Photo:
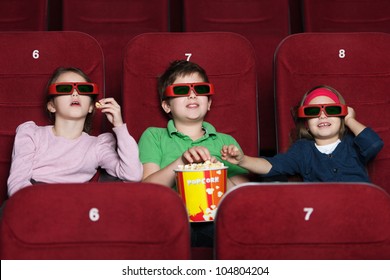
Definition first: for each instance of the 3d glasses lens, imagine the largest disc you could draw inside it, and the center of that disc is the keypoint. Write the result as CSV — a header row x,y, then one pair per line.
x,y
312,111
181,90
202,89
64,88
333,110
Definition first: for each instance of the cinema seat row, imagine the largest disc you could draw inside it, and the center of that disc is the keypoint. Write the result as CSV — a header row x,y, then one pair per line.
x,y
353,62
282,221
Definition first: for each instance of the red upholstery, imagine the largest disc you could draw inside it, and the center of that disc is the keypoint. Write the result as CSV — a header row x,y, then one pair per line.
x,y
23,15
346,15
95,221
113,24
228,59
356,64
304,221
265,23
28,59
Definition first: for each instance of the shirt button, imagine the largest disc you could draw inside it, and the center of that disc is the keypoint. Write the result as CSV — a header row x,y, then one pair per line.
x,y
335,170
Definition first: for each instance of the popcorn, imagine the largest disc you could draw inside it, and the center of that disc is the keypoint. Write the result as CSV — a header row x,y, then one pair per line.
x,y
98,105
201,166
209,214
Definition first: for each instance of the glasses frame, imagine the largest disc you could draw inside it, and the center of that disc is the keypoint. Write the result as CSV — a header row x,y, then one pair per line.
x,y
169,91
322,107
53,88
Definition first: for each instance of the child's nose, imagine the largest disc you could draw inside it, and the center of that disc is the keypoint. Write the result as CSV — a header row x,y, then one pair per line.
x,y
75,92
192,93
323,115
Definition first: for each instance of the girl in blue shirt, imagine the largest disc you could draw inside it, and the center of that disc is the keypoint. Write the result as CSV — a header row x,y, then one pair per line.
x,y
324,151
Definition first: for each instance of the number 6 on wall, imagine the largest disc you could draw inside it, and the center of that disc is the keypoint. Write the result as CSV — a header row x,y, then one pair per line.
x,y
308,211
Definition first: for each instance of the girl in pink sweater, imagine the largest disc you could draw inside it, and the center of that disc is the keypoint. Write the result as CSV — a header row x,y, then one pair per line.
x,y
64,152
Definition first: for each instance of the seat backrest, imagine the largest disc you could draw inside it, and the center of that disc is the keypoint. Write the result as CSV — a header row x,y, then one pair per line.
x,y
28,59
95,221
240,16
346,15
356,64
264,23
228,59
23,15
304,221
135,16
114,24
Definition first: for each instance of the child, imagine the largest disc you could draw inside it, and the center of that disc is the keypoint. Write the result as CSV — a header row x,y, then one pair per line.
x,y
64,152
324,150
185,94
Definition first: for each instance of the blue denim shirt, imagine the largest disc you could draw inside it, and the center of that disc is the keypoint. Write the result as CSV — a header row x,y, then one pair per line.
x,y
347,163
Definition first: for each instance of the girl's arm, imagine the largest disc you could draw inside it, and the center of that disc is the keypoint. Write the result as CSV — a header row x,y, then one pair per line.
x,y
22,158
255,165
123,163
120,158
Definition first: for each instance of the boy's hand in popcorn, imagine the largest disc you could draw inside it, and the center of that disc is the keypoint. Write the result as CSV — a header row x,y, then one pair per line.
x,y
232,154
197,154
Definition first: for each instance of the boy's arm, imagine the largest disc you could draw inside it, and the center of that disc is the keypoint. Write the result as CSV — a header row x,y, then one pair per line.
x,y
154,174
166,176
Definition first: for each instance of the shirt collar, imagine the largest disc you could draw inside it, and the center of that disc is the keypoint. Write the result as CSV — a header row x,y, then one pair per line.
x,y
208,128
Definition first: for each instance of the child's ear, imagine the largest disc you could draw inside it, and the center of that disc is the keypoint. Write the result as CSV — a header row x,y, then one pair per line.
x,y
91,107
166,107
209,104
50,107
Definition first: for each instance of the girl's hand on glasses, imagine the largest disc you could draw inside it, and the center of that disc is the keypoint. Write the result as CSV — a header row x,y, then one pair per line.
x,y
112,110
351,115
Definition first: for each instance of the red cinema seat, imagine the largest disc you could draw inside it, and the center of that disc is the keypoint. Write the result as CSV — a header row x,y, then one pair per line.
x,y
108,221
264,23
23,15
113,24
356,64
346,15
229,61
299,221
28,59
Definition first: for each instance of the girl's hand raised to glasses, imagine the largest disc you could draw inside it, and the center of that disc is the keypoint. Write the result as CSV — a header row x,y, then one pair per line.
x,y
351,115
112,110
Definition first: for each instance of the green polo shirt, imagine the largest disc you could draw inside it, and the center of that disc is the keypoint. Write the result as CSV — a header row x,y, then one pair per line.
x,y
162,146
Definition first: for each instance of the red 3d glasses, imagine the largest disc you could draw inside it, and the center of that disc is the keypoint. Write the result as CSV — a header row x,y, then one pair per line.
x,y
178,90
68,88
330,110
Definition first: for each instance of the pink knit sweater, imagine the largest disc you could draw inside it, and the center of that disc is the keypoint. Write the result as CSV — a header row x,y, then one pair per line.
x,y
40,155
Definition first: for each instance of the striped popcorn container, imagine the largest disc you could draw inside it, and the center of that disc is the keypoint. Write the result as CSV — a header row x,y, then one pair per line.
x,y
201,191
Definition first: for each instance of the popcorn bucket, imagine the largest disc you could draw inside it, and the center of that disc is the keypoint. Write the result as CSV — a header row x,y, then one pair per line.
x,y
201,191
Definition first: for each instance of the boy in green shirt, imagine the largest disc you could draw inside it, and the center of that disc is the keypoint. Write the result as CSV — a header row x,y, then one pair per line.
x,y
185,94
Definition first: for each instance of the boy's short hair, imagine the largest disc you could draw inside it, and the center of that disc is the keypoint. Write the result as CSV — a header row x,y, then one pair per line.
x,y
178,68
